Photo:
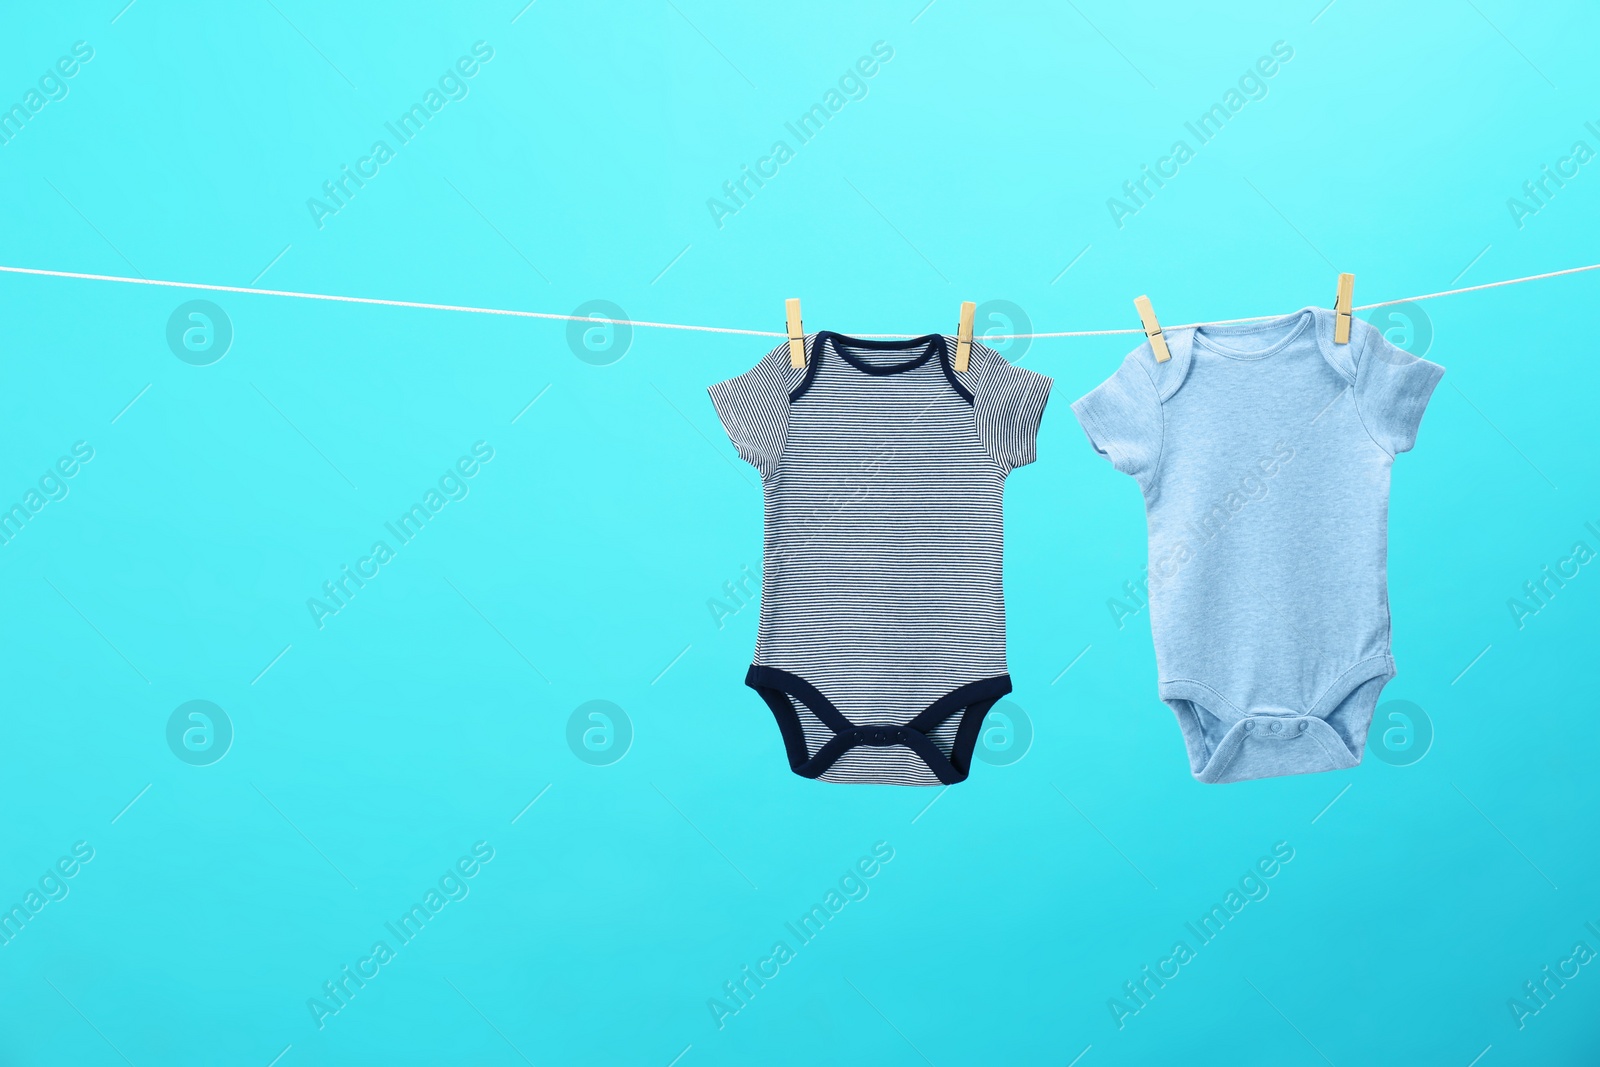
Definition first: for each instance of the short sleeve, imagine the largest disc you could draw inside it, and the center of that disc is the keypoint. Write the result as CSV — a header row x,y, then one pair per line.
x,y
1008,403
1392,389
754,409
1122,416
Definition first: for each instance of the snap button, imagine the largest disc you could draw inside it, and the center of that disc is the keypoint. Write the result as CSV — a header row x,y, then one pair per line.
x,y
1277,727
1249,724
1303,725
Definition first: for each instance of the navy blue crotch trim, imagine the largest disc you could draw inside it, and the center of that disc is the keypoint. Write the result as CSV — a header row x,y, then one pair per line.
x,y
976,698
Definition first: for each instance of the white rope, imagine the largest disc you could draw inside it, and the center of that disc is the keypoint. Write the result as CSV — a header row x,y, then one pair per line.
x,y
374,300
514,313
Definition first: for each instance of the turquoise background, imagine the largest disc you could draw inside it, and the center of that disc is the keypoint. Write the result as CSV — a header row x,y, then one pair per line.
x,y
432,711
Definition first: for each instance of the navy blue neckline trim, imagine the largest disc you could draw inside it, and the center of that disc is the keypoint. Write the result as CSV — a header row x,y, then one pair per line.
x,y
932,343
936,347
974,701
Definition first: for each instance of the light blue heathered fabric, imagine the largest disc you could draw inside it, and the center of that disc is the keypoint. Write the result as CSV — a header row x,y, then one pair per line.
x,y
1264,453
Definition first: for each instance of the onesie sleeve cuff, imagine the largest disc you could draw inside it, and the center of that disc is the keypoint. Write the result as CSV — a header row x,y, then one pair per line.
x,y
1030,412
1122,418
752,410
722,398
1087,409
1413,393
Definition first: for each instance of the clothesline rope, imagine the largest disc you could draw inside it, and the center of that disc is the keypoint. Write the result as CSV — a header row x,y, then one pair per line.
x,y
515,313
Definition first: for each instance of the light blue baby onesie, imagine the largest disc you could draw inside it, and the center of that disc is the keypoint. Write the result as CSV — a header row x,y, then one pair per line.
x,y
1264,452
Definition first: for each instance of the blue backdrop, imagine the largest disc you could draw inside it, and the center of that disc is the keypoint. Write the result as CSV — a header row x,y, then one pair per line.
x,y
495,794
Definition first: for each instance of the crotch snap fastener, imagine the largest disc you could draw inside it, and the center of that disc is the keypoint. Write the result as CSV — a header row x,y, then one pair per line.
x,y
1303,725
1249,724
1277,727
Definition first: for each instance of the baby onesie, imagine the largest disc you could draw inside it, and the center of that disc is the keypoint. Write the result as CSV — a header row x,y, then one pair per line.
x,y
1264,453
882,644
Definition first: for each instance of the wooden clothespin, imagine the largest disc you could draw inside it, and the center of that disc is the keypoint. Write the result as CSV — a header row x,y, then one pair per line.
x,y
964,336
1152,329
1341,309
797,333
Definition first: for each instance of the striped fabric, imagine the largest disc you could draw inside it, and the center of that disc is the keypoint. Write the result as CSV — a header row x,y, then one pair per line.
x,y
882,635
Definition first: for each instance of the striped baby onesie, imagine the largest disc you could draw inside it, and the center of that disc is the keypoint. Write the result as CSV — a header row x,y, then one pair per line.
x,y
882,640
